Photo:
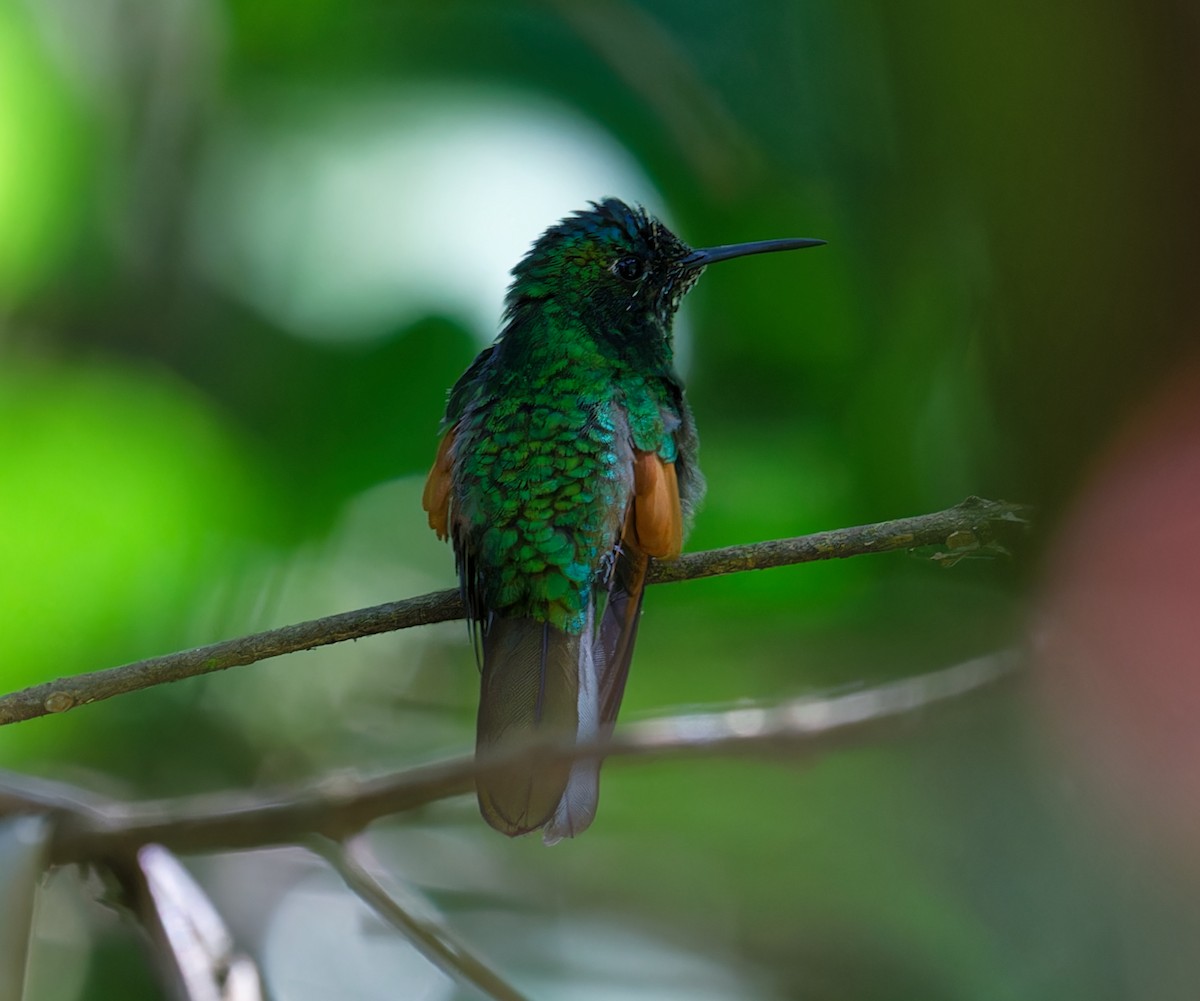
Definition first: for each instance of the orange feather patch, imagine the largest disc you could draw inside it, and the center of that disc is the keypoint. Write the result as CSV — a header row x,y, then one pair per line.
x,y
436,498
655,521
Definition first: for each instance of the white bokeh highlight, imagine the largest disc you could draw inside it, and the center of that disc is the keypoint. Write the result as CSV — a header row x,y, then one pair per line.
x,y
348,218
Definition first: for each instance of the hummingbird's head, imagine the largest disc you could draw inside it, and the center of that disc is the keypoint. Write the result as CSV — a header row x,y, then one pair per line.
x,y
612,265
619,272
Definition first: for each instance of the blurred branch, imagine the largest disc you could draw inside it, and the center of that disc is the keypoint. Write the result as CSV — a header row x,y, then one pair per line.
x,y
190,943
650,61
353,861
973,525
86,827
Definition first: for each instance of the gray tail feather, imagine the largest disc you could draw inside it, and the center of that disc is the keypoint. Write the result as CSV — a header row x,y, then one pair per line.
x,y
577,807
605,655
531,692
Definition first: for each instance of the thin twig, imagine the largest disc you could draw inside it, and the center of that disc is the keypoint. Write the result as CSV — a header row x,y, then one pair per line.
x,y
353,862
971,524
80,689
342,806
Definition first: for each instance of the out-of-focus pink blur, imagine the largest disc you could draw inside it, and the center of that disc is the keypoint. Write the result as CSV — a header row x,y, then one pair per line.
x,y
1117,632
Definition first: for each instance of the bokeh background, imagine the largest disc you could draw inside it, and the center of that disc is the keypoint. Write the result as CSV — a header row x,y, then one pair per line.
x,y
245,248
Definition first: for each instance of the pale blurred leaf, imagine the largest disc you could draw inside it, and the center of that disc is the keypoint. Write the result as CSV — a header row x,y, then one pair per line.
x,y
23,843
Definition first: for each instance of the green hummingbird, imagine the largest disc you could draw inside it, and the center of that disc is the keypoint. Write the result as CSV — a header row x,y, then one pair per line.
x,y
567,462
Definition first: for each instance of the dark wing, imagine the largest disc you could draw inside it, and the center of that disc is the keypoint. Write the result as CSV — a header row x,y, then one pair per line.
x,y
653,528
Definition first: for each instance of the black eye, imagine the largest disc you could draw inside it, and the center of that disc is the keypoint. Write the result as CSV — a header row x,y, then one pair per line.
x,y
629,269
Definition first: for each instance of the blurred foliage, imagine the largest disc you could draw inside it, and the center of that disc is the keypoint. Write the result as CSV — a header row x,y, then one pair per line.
x,y
1008,192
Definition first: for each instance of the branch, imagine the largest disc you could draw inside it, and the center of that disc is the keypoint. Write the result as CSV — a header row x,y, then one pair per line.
x,y
86,827
187,938
80,689
973,525
412,916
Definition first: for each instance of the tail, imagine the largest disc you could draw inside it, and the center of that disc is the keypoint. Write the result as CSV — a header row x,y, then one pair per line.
x,y
539,684
542,683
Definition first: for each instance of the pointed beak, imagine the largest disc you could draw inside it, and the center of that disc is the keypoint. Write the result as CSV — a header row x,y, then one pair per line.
x,y
710,255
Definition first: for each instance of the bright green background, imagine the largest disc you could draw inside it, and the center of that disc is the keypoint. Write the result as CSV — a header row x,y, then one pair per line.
x,y
1008,192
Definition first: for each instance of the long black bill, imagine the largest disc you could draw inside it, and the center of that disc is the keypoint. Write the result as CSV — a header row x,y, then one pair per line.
x,y
710,255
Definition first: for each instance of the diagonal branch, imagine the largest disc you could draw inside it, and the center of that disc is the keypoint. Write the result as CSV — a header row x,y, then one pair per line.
x,y
341,806
188,940
412,916
972,525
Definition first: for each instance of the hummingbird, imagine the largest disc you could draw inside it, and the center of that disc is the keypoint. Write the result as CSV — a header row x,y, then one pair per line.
x,y
567,463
